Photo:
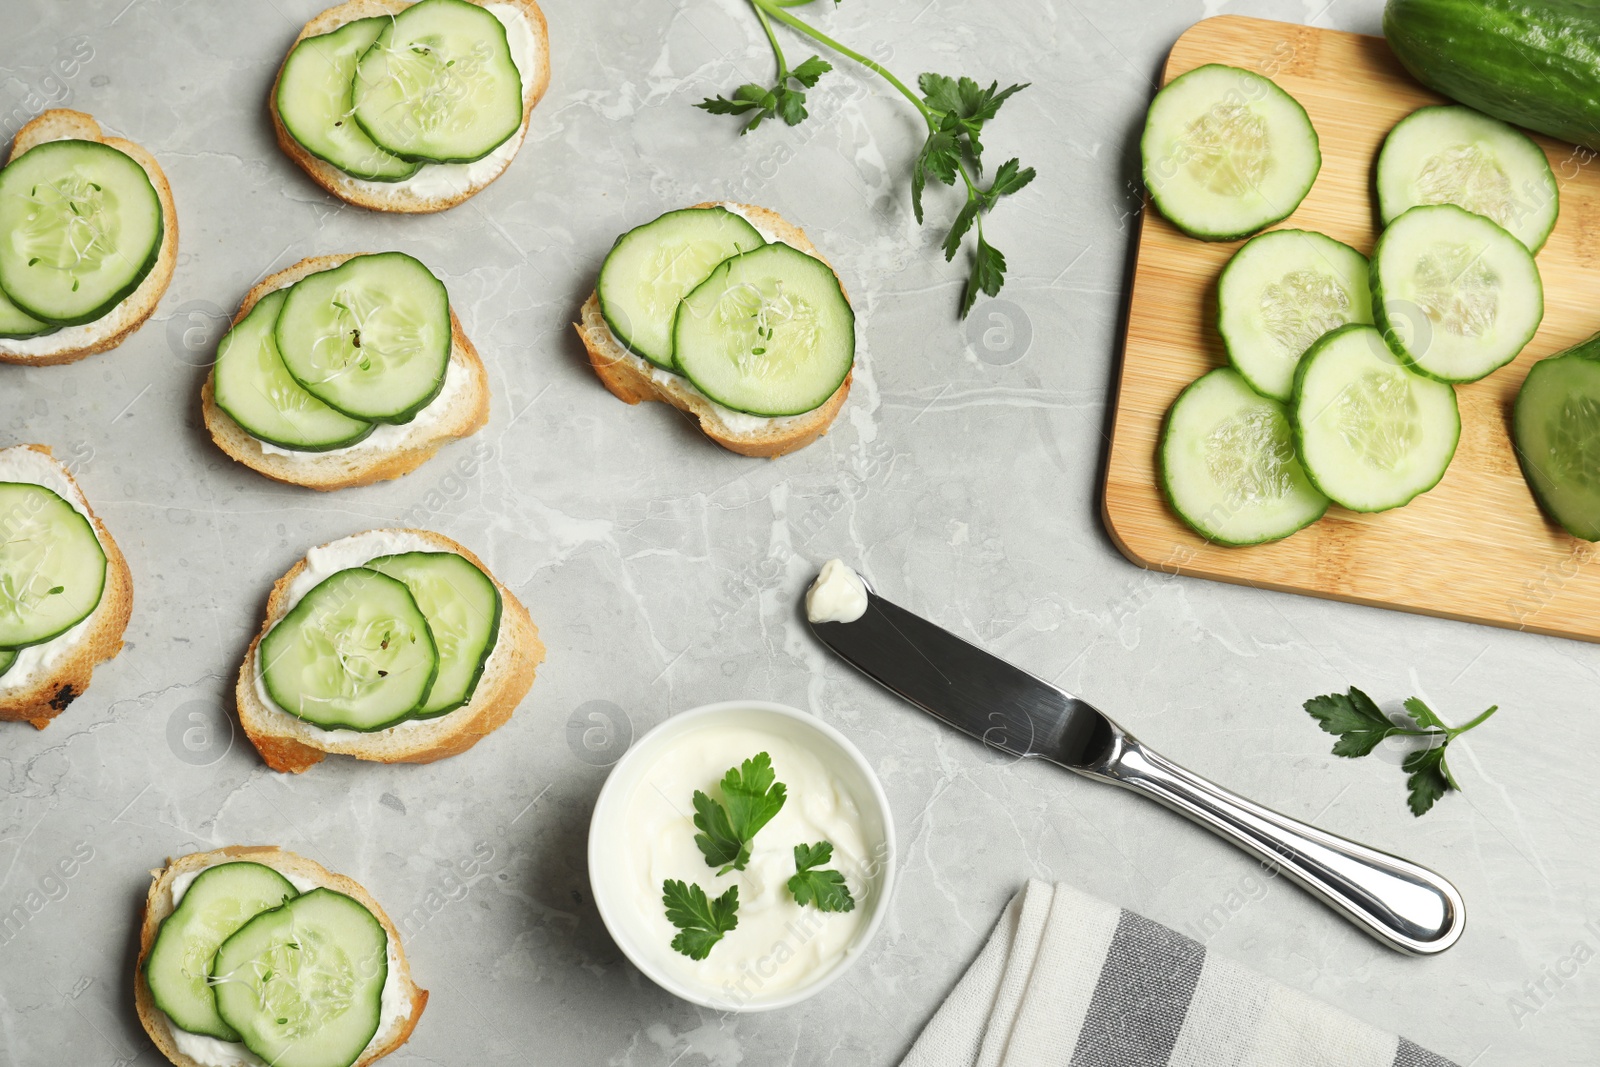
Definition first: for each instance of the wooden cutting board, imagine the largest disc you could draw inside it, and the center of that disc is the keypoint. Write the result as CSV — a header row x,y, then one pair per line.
x,y
1476,547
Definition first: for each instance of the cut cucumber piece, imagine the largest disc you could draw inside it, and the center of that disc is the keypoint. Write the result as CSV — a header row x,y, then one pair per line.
x,y
769,332
52,568
314,103
1228,465
1226,152
250,383
462,606
439,84
16,323
1455,155
1371,434
8,656
303,983
1456,296
83,227
1278,294
1556,426
654,266
219,901
369,338
355,654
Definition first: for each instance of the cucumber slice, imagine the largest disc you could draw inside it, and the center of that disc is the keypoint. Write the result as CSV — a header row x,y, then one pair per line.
x,y
8,656
1278,294
1455,155
1228,465
83,226
769,332
303,983
1371,434
1456,296
369,338
250,383
462,606
219,901
16,323
1556,426
52,568
439,84
652,267
355,654
1226,152
314,102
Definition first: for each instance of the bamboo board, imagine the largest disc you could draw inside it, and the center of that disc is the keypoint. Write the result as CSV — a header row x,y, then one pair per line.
x,y
1476,547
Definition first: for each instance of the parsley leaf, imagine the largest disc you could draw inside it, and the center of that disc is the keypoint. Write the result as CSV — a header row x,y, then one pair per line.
x,y
701,922
751,796
782,101
826,889
1359,723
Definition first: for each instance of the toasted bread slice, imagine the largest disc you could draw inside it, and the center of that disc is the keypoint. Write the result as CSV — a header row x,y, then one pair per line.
x,y
399,196
41,696
72,343
633,378
290,744
158,905
367,461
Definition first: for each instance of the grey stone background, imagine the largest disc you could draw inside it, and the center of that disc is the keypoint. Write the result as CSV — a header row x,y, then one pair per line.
x,y
962,478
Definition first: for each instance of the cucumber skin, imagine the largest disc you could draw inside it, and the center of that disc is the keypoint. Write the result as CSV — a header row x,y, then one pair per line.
x,y
1589,350
1535,64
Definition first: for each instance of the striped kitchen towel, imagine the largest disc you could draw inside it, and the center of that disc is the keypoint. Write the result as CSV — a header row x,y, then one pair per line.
x,y
1067,980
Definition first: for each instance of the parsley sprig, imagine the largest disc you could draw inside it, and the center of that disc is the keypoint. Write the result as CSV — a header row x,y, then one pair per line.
x,y
824,888
701,922
750,798
1361,726
954,111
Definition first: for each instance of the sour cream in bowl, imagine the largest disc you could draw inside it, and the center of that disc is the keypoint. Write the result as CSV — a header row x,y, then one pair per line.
x,y
643,833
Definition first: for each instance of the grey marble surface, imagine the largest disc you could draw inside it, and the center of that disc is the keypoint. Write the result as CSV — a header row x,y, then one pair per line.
x,y
664,572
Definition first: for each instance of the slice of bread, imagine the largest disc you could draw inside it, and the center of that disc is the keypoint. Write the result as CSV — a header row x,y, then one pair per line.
x,y
290,744
72,343
158,905
365,462
396,196
633,378
48,694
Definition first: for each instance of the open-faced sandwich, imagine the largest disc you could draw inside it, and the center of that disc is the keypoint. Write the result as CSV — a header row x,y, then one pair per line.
x,y
344,370
392,645
411,107
65,590
88,240
252,955
728,313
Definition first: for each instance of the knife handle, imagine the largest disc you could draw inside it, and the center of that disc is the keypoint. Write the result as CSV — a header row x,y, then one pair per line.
x,y
1407,907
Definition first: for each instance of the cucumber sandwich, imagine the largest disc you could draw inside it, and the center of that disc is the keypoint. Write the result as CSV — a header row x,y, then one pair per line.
x,y
408,107
257,955
344,370
728,313
65,589
392,645
88,239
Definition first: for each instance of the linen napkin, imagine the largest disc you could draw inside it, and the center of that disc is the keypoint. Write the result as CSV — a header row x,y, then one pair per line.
x,y
1067,980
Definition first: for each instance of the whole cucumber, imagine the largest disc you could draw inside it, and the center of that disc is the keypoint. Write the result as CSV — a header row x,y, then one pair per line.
x,y
1535,63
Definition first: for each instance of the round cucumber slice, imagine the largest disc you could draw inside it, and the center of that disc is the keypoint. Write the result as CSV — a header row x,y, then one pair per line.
x,y
52,568
16,323
462,606
1456,296
1455,155
1280,292
1228,465
355,654
1556,426
303,983
219,901
439,84
314,102
83,227
1371,434
250,383
8,656
1226,152
370,338
654,266
769,332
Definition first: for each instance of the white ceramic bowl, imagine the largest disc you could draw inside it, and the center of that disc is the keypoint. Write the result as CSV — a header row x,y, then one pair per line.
x,y
612,884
